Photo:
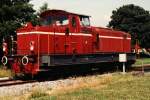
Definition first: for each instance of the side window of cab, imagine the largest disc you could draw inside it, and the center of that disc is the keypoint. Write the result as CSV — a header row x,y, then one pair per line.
x,y
74,23
84,21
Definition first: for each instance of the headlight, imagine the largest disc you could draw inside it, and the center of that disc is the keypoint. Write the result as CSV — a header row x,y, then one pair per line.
x,y
4,47
32,46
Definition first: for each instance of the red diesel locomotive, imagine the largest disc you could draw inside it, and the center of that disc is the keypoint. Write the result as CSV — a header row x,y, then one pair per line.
x,y
65,38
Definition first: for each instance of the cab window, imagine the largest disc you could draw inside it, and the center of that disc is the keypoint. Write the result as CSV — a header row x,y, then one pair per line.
x,y
61,20
54,20
73,22
84,21
46,21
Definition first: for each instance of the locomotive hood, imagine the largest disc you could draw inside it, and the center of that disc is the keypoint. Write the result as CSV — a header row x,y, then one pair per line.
x,y
110,32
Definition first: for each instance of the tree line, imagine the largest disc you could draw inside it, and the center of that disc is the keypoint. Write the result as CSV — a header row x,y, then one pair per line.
x,y
134,20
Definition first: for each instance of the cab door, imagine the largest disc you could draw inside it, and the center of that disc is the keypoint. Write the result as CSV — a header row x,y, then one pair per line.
x,y
71,35
60,35
96,42
67,41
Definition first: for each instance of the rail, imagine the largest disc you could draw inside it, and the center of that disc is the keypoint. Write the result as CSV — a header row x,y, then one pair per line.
x,y
10,82
145,67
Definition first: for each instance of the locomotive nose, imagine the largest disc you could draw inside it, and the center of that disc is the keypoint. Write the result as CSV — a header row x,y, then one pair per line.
x,y
4,60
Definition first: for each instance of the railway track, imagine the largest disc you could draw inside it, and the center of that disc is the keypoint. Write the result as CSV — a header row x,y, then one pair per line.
x,y
10,82
145,68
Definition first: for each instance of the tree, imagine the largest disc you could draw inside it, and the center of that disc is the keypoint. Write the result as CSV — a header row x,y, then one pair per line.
x,y
43,8
134,20
14,14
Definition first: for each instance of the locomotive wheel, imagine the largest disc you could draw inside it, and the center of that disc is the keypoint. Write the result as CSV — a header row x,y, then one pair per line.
x,y
4,60
24,60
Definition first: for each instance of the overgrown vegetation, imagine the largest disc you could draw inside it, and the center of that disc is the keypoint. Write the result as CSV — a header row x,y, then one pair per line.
x,y
101,87
38,94
5,72
142,61
118,87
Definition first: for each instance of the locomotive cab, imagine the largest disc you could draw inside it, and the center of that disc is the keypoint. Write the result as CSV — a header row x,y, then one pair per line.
x,y
75,23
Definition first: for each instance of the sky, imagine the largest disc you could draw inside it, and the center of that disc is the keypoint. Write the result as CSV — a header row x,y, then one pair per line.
x,y
99,10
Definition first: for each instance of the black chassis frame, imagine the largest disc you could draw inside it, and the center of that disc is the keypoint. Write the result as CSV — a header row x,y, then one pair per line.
x,y
60,60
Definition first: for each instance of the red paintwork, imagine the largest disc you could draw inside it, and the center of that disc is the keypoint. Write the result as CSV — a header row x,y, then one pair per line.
x,y
58,42
15,66
82,39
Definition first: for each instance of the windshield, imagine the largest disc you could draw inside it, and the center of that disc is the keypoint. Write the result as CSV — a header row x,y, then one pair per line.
x,y
54,20
84,21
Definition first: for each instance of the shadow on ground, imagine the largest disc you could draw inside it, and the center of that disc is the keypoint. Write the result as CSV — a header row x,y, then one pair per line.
x,y
63,72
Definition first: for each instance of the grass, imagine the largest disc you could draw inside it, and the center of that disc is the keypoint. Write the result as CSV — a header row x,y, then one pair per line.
x,y
5,72
101,87
111,87
142,60
38,94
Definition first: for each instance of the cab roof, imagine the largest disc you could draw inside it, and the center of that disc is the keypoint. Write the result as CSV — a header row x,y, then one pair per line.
x,y
59,12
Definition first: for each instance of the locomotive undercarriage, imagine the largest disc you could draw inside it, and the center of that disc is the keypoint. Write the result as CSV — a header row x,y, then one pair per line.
x,y
29,64
52,61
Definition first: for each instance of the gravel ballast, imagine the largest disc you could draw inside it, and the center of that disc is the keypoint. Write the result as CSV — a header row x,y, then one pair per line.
x,y
17,90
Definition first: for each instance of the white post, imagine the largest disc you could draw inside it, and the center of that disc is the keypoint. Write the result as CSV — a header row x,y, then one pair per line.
x,y
123,60
124,68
